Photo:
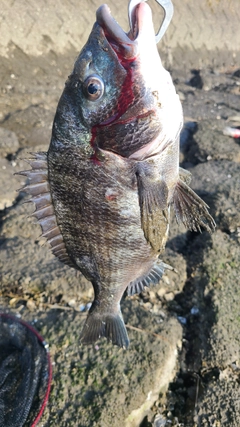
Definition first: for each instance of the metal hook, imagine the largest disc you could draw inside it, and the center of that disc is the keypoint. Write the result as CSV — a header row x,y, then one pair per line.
x,y
168,14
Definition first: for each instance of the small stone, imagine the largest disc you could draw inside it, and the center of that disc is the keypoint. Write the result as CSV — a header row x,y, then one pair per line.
x,y
13,301
194,311
27,280
148,306
160,421
31,305
8,142
181,96
166,280
8,184
182,320
156,309
152,295
161,292
169,296
72,303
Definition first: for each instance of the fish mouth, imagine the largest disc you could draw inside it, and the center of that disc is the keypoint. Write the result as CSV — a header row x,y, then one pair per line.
x,y
127,45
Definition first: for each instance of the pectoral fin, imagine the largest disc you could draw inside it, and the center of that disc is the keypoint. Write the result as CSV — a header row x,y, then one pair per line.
x,y
190,209
153,197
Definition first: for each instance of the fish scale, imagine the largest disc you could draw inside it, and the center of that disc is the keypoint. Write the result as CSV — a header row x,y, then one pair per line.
x,y
106,232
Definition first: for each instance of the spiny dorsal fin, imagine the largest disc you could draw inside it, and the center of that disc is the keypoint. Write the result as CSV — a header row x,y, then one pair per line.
x,y
191,209
39,190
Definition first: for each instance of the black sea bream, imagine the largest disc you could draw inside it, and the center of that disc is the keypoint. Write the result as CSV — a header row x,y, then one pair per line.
x,y
103,190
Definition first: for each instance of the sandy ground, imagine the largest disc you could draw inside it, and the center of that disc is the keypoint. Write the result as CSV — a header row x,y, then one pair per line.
x,y
182,368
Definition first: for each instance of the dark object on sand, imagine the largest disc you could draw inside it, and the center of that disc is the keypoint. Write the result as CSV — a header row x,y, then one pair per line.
x,y
196,80
25,373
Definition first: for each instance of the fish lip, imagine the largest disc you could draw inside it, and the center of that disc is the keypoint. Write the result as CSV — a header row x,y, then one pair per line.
x,y
126,45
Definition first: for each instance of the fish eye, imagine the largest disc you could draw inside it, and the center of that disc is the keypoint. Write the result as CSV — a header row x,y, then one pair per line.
x,y
93,88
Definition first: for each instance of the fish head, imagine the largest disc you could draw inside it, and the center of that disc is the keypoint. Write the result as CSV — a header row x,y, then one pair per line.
x,y
119,97
91,92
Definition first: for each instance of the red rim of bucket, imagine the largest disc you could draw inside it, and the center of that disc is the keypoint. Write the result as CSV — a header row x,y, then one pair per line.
x,y
46,347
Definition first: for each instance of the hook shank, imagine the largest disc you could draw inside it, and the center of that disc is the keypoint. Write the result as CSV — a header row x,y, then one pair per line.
x,y
167,7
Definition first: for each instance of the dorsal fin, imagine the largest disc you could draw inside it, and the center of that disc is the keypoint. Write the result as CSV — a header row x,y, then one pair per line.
x,y
39,189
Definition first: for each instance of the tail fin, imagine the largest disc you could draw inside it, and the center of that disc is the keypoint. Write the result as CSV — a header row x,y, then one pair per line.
x,y
100,325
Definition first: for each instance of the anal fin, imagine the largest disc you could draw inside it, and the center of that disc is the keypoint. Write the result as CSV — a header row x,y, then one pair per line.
x,y
190,209
108,325
153,276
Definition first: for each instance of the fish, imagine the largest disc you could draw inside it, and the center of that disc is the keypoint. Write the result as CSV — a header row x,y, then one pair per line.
x,y
104,189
